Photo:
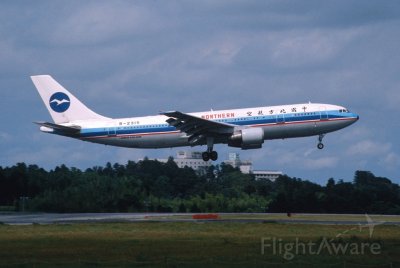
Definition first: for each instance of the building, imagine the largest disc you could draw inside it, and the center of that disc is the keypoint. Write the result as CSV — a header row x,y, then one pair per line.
x,y
266,174
234,160
194,160
246,167
191,159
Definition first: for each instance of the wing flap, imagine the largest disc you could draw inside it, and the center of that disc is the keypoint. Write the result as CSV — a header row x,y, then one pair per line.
x,y
187,117
197,128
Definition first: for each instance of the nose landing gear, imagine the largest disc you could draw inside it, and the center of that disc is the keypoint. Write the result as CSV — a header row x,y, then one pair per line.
x,y
320,145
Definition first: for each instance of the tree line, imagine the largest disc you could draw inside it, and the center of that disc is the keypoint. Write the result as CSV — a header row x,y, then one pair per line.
x,y
152,186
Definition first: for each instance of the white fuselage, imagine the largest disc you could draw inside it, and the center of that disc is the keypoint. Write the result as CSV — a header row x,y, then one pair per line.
x,y
277,122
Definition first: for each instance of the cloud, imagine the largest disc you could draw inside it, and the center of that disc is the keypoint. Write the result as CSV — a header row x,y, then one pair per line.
x,y
357,132
369,148
391,161
5,137
321,163
294,155
367,152
136,58
304,48
99,22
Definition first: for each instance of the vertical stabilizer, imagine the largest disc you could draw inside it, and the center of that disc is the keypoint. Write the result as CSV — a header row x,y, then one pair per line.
x,y
61,104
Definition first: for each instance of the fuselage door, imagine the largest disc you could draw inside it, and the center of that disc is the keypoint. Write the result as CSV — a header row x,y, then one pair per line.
x,y
323,112
112,131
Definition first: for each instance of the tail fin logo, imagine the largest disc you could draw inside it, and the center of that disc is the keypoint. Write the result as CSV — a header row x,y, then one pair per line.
x,y
59,102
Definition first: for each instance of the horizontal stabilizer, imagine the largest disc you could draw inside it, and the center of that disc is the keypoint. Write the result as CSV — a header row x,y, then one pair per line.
x,y
61,128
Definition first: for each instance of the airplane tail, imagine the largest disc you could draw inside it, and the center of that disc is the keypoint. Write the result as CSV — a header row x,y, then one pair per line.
x,y
61,104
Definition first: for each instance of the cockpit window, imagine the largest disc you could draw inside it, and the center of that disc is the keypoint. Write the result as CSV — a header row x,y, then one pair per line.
x,y
343,111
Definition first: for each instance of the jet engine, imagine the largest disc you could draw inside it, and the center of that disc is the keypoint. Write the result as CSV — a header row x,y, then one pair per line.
x,y
248,138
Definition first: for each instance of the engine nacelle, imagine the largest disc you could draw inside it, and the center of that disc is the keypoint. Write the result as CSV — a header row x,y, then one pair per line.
x,y
248,138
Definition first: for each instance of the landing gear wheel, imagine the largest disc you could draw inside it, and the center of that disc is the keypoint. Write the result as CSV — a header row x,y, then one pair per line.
x,y
205,156
320,144
210,154
213,155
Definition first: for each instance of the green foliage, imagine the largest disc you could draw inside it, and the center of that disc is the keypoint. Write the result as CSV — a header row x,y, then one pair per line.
x,y
163,187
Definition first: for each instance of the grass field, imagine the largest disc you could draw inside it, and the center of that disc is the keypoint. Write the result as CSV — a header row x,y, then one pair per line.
x,y
191,244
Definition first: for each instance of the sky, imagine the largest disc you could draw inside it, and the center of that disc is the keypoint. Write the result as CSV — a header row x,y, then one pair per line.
x,y
135,58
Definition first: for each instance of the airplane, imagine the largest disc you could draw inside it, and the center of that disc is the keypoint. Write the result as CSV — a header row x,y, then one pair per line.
x,y
242,128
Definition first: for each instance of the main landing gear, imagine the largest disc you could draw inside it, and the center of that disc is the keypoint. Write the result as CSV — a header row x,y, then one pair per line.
x,y
320,144
213,155
210,154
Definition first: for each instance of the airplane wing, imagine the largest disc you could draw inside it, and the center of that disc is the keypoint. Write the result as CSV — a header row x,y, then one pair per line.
x,y
198,128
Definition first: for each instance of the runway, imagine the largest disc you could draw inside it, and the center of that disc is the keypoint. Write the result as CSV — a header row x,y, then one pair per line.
x,y
50,218
71,218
